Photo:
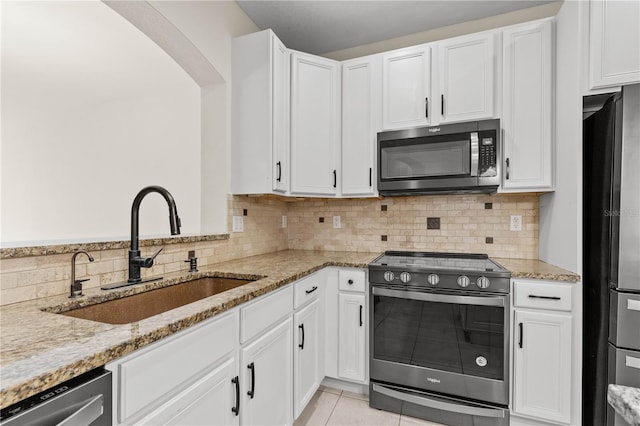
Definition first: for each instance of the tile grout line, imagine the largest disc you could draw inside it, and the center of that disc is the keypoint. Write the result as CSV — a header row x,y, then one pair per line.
x,y
333,409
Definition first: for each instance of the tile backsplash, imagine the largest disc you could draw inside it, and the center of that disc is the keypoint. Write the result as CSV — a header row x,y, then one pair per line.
x,y
447,223
462,223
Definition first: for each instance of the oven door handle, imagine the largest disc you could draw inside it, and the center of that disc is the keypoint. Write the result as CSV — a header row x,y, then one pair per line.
x,y
440,405
443,298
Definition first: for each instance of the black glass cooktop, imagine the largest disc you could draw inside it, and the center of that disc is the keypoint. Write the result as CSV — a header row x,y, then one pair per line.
x,y
437,261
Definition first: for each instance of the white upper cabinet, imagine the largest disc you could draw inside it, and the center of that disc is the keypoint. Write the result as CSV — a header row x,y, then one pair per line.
x,y
315,125
406,87
465,78
527,108
259,114
361,91
614,43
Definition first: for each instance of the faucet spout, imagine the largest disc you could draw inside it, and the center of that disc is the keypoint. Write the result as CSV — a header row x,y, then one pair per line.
x,y
135,260
76,285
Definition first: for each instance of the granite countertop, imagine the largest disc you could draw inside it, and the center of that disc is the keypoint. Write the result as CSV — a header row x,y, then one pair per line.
x,y
42,349
626,401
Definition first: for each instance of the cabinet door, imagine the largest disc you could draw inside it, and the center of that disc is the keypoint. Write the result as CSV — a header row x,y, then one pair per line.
x,y
360,124
306,355
465,76
406,85
280,96
209,401
351,359
614,31
315,124
266,381
542,365
527,107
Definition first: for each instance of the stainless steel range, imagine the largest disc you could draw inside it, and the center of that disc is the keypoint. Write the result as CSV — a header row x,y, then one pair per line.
x,y
440,337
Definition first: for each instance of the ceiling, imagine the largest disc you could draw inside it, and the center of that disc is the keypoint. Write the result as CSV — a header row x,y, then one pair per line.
x,y
320,27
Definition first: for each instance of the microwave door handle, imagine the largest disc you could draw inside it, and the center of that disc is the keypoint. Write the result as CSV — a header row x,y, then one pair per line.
x,y
441,298
474,154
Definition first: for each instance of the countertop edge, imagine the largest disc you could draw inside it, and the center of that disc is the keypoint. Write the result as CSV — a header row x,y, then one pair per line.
x,y
35,384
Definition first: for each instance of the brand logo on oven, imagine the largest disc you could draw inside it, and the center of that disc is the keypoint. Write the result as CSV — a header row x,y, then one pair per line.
x,y
432,380
434,130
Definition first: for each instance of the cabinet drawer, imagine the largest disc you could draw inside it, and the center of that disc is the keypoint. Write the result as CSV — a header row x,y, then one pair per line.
x,y
148,378
542,295
351,280
264,312
307,289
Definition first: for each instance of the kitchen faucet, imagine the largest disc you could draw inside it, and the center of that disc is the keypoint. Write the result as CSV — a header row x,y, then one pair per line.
x,y
76,285
135,260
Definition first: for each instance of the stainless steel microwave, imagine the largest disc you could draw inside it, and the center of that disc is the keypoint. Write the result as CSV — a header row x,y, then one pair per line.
x,y
451,158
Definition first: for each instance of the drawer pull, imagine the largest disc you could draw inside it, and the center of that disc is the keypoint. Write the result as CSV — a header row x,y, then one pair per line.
x,y
350,282
632,362
252,392
314,288
520,338
533,296
633,305
236,409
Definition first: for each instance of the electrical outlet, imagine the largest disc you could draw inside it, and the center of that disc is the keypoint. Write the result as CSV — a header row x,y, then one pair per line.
x,y
516,223
336,221
238,224
284,221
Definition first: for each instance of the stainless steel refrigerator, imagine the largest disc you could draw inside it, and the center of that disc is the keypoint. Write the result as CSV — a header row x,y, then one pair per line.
x,y
611,250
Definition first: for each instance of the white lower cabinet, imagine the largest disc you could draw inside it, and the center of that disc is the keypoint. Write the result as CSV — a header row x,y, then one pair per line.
x,y
542,364
173,378
346,343
351,356
209,401
306,360
546,352
266,378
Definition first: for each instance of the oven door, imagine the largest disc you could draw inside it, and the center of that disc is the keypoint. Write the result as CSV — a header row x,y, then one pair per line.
x,y
454,344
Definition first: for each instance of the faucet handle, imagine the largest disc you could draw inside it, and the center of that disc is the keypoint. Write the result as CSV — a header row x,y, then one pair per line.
x,y
147,262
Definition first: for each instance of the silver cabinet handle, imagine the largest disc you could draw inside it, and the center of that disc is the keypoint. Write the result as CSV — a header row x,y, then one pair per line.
x,y
86,414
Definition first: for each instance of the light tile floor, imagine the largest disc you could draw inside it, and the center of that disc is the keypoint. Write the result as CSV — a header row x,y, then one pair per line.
x,y
333,407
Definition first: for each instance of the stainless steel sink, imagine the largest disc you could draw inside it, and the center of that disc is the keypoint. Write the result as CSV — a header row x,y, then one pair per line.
x,y
144,305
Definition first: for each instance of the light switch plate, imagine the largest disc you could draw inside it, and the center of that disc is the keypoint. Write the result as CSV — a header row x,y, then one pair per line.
x,y
516,223
336,221
284,221
238,224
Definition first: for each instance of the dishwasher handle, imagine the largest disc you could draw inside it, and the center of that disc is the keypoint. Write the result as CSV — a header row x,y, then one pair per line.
x,y
87,414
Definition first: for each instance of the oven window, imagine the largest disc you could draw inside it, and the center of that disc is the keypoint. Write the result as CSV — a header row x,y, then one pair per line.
x,y
451,158
465,339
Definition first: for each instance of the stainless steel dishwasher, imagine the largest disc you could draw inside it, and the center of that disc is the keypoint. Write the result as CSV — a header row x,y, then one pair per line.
x,y
82,401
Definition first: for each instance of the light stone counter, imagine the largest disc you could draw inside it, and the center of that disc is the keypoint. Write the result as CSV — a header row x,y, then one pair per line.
x,y
626,401
42,349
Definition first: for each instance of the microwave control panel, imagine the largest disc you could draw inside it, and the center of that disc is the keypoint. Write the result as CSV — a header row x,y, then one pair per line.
x,y
488,152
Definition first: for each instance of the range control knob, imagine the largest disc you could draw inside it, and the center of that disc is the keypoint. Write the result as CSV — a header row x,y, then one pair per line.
x,y
405,277
463,281
389,276
433,279
483,282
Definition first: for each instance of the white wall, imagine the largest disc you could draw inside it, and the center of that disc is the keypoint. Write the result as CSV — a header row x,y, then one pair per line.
x,y
92,111
560,235
210,26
